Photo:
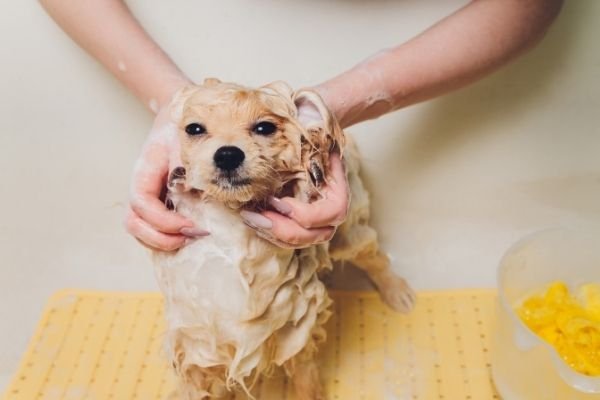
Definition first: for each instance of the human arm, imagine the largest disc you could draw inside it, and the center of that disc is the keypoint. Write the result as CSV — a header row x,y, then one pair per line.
x,y
458,50
109,32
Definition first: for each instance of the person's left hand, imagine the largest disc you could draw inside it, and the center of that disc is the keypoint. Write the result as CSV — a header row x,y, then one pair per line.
x,y
297,224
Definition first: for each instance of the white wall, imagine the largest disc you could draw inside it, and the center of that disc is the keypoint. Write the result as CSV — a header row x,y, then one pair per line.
x,y
454,181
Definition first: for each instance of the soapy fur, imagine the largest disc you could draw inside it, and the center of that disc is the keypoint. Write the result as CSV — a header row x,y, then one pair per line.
x,y
237,305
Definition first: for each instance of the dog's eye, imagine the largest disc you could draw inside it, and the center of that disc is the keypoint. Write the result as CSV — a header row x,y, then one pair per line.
x,y
264,128
195,129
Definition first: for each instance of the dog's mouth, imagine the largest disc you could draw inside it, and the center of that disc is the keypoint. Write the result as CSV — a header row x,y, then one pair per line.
x,y
231,180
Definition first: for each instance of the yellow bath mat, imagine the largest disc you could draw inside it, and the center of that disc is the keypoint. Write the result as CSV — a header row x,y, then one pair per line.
x,y
104,345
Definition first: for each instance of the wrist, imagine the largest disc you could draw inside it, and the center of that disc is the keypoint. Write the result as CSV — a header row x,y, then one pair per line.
x,y
166,91
335,102
361,93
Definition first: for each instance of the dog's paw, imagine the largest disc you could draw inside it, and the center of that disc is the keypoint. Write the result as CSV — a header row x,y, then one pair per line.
x,y
176,178
396,293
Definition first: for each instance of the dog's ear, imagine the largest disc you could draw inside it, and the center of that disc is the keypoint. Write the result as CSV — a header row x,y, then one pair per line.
x,y
322,128
179,99
279,88
322,134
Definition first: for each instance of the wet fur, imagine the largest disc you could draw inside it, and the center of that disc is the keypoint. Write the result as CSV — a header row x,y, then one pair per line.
x,y
290,162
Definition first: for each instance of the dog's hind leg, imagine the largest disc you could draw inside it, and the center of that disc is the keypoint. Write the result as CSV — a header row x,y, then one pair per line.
x,y
394,290
356,242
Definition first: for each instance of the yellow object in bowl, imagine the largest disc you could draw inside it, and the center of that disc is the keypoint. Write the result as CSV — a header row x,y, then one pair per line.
x,y
571,324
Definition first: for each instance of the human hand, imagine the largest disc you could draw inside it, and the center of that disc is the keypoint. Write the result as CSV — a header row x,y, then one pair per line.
x,y
296,224
148,219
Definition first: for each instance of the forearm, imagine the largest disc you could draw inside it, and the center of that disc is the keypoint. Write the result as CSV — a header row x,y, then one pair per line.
x,y
107,31
458,50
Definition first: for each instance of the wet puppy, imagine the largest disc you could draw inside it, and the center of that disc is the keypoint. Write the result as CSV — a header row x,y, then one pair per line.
x,y
236,304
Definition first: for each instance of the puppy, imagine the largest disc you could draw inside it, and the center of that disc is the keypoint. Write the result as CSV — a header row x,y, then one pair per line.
x,y
236,304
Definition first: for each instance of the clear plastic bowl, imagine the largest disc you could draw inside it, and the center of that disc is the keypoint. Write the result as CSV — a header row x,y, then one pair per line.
x,y
523,366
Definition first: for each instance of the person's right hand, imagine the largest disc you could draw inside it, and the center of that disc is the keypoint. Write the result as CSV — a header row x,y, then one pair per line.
x,y
148,219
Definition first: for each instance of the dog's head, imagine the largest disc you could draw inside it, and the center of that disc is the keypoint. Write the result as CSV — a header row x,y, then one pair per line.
x,y
240,145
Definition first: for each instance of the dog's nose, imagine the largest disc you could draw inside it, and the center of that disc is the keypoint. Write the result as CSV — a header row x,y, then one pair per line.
x,y
228,158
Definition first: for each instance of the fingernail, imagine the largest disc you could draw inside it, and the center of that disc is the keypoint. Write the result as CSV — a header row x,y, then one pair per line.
x,y
256,220
193,232
280,205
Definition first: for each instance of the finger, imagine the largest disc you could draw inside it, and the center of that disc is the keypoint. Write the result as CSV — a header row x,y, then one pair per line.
x,y
331,210
288,231
147,185
151,237
155,213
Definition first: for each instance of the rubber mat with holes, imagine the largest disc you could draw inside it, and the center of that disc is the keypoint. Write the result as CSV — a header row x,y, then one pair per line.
x,y
99,345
